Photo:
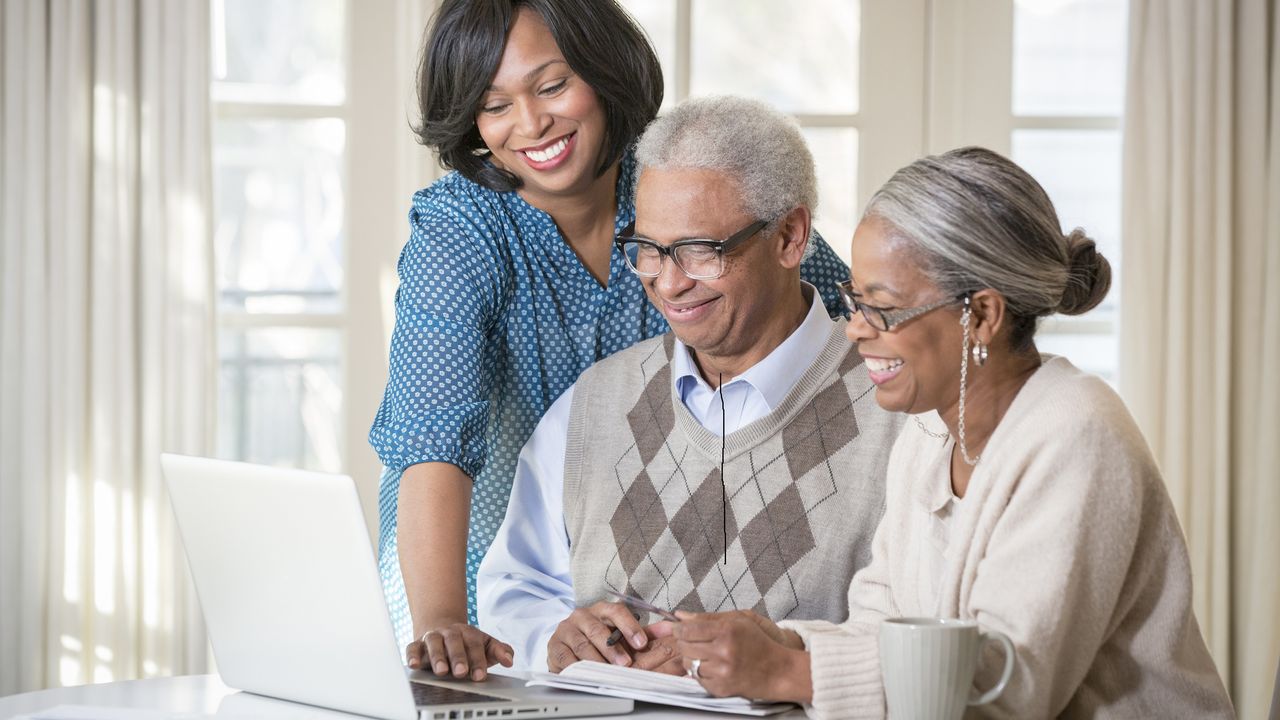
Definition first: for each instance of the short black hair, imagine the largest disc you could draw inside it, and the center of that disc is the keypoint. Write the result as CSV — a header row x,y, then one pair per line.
x,y
460,55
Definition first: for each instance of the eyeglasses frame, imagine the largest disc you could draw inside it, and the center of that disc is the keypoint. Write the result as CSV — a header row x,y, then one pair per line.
x,y
889,319
722,248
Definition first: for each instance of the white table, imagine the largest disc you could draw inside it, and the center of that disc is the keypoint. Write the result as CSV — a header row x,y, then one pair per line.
x,y
197,695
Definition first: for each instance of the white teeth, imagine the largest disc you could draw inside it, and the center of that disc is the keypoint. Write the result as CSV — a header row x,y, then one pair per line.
x,y
549,153
882,365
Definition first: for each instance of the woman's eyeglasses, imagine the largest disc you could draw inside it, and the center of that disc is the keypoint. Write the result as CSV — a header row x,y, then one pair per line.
x,y
883,319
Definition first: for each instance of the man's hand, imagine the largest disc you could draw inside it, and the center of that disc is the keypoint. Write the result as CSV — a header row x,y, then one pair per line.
x,y
459,650
584,635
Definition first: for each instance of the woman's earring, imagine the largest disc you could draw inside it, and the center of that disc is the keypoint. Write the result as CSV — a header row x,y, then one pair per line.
x,y
979,353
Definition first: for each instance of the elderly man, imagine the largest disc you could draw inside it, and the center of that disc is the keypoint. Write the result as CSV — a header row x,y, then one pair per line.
x,y
736,462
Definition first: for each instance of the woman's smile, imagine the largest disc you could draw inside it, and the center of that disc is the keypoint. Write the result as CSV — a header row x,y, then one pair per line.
x,y
551,154
882,370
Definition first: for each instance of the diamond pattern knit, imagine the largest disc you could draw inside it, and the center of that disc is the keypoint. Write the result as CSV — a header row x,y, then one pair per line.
x,y
803,489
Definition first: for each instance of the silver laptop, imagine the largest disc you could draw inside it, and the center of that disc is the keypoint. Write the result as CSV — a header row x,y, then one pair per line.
x,y
287,580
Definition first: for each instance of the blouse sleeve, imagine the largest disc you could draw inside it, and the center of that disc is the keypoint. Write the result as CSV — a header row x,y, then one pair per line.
x,y
448,312
823,269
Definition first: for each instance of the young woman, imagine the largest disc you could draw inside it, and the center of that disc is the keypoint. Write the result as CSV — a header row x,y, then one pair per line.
x,y
1022,496
510,285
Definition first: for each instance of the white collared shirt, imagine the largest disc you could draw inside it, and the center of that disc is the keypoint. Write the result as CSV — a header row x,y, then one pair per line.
x,y
756,392
525,585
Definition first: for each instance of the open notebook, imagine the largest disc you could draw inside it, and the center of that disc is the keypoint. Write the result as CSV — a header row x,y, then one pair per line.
x,y
626,682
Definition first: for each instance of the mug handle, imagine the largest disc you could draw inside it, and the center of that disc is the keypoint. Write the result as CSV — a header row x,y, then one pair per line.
x,y
993,693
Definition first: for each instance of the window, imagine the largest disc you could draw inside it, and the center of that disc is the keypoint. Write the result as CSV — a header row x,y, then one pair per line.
x,y
312,108
1068,95
875,85
280,228
314,169
802,58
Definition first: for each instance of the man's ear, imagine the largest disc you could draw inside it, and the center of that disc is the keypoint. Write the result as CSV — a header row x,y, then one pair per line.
x,y
793,237
990,315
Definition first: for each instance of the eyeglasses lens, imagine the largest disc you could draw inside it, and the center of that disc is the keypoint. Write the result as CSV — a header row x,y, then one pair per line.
x,y
697,261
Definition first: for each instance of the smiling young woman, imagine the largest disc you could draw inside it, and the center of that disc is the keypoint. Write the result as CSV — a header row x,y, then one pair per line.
x,y
510,285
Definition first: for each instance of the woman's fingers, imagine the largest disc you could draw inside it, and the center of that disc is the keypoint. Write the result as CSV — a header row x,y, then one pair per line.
x,y
456,652
477,658
436,655
499,653
699,631
413,653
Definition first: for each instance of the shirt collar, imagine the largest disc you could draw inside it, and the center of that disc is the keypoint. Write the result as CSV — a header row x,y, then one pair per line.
x,y
933,491
775,375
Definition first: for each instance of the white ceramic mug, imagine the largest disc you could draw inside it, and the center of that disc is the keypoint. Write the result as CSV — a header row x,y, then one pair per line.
x,y
928,666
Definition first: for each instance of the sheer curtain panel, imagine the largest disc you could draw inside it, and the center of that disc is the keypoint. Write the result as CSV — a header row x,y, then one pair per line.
x,y
1200,329
106,348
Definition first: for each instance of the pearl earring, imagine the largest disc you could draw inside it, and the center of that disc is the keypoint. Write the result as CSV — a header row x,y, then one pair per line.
x,y
979,353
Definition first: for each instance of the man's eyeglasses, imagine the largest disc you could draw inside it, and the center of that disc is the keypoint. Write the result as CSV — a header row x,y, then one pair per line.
x,y
698,258
883,319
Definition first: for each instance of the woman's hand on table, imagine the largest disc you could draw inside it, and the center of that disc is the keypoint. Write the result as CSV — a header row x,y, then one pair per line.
x,y
458,650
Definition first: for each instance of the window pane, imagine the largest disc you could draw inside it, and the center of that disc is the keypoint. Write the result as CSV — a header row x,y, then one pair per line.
x,y
801,57
658,18
1094,353
1080,170
835,152
1069,57
279,51
278,196
280,397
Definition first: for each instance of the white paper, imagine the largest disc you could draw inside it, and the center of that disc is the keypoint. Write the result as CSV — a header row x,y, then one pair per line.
x,y
648,686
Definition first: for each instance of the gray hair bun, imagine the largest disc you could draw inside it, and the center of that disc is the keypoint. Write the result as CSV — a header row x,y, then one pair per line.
x,y
1088,275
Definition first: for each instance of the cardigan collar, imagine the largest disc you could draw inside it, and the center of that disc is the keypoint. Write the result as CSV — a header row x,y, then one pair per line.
x,y
933,489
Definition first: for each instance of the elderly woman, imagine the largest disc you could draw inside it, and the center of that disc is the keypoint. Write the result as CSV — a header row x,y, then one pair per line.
x,y
1022,495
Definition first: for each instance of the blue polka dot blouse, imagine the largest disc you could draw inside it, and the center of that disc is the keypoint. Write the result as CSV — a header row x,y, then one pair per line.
x,y
495,318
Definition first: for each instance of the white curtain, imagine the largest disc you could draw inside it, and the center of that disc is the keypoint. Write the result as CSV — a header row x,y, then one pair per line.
x,y
106,347
1200,327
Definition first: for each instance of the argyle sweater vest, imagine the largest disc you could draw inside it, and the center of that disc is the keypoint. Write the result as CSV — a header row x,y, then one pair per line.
x,y
802,492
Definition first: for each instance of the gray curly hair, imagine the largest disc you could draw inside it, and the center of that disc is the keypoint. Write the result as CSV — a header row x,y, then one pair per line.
x,y
762,149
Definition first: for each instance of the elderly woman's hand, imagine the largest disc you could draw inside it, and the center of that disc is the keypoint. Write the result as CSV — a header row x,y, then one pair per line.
x,y
743,653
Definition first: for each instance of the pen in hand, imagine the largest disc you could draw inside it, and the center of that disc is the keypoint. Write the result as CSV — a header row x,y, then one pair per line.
x,y
636,603
616,636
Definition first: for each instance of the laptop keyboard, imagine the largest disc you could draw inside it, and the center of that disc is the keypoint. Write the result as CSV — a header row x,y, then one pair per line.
x,y
424,694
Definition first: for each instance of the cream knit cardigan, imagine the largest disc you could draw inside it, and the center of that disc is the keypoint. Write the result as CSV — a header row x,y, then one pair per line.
x,y
1065,541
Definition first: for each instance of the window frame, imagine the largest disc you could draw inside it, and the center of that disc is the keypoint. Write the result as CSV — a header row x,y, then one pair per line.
x,y
949,83
890,123
382,167
971,103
